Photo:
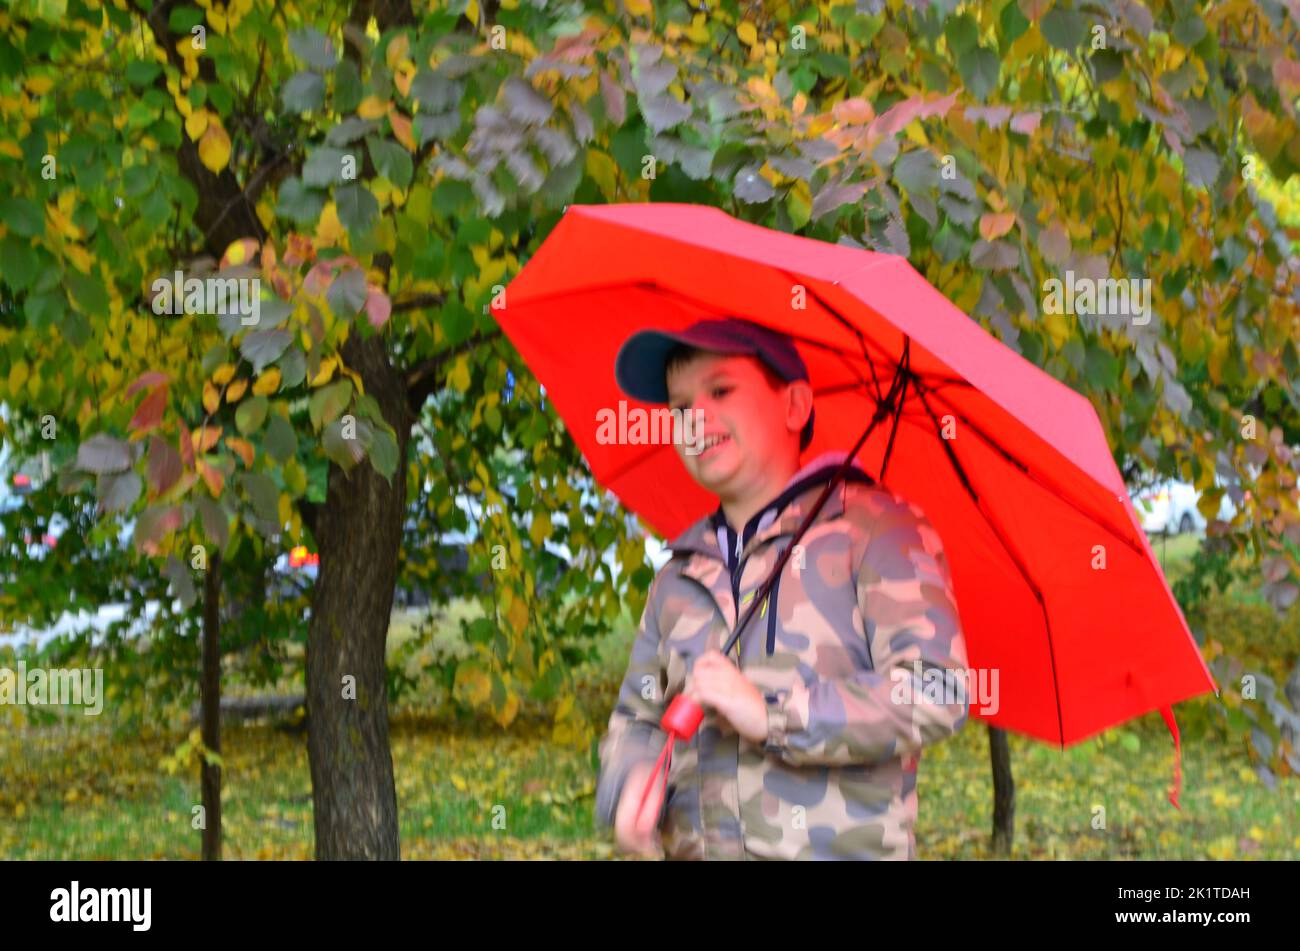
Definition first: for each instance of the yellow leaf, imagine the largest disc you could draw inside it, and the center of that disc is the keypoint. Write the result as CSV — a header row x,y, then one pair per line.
x,y
10,149
243,447
329,230
212,477
326,371
995,226
372,107
517,615
471,11
267,383
223,374
459,782
214,147
196,124
748,33
354,377
402,78
638,8
211,398
397,50
235,390
601,167
459,375
401,129
17,376
540,530
39,85
80,257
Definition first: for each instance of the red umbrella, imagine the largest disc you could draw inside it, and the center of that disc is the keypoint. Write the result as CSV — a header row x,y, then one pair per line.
x,y
1058,589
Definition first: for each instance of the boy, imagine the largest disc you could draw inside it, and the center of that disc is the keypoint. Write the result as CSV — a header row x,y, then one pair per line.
x,y
809,748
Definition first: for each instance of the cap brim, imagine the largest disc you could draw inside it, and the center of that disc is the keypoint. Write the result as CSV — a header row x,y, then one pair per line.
x,y
641,365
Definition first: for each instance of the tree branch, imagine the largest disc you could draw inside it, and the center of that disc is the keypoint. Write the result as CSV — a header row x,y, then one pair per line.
x,y
422,379
418,302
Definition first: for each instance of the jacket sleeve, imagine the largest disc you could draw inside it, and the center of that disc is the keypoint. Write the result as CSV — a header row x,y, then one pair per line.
x,y
904,595
634,735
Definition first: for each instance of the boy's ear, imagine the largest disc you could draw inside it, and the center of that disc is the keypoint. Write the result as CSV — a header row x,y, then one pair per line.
x,y
798,405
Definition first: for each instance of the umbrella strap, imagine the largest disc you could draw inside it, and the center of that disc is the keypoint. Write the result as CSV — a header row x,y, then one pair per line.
x,y
1168,713
665,760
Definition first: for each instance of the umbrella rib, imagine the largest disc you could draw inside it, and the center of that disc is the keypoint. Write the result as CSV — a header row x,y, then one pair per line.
x,y
1033,477
904,374
875,379
1015,557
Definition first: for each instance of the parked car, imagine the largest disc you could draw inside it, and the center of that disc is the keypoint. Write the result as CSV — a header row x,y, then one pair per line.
x,y
1170,507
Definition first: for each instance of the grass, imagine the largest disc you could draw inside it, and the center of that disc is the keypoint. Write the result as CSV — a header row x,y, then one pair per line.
x,y
466,789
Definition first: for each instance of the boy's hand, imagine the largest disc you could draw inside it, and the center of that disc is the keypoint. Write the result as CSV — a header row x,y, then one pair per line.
x,y
636,833
715,683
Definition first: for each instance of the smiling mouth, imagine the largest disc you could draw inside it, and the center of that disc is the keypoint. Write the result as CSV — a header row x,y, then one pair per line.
x,y
712,443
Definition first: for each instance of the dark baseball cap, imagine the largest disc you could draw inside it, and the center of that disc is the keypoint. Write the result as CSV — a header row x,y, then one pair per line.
x,y
641,365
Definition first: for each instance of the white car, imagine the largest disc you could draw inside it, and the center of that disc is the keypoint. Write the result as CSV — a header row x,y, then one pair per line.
x,y
1169,508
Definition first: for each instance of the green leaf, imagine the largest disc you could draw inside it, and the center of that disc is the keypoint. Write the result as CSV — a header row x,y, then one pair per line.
x,y
328,402
347,292
23,217
280,442
88,293
383,453
391,161
251,414
357,208
184,19
295,478
215,521
347,450
117,491
103,454
142,72
1106,65
182,584
293,369
962,33
314,48
1190,30
1063,28
298,203
347,87
17,262
979,71
304,92
1013,24
324,166
261,491
263,347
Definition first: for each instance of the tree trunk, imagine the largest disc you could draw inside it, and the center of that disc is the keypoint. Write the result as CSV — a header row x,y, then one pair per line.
x,y
210,701
358,535
1004,792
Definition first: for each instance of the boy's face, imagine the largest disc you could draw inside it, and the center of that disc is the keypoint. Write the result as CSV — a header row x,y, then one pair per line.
x,y
754,423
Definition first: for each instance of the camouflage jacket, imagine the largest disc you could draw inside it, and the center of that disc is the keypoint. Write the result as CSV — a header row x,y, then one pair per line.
x,y
855,616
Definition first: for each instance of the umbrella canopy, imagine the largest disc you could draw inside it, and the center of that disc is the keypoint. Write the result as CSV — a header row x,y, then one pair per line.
x,y
1058,589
